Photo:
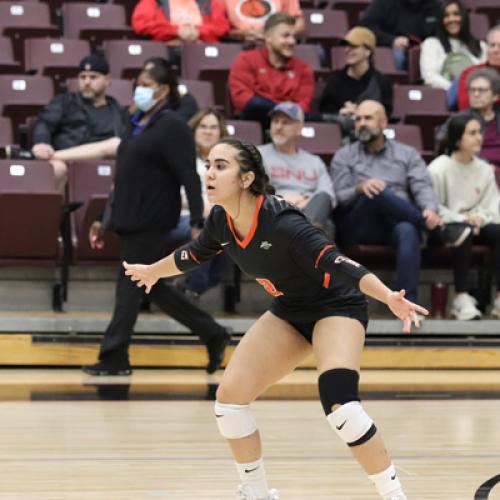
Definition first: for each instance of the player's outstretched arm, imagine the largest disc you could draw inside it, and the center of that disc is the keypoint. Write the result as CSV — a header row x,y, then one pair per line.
x,y
400,307
148,275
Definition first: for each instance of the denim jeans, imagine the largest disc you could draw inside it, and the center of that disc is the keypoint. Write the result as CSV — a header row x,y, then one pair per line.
x,y
387,219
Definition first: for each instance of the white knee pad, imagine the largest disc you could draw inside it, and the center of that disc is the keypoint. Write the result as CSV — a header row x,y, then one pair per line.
x,y
234,421
352,423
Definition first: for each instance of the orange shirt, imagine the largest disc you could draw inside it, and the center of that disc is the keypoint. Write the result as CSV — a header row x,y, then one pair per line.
x,y
252,14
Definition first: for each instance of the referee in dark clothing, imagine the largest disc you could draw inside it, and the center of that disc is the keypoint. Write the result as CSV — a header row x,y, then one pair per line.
x,y
153,162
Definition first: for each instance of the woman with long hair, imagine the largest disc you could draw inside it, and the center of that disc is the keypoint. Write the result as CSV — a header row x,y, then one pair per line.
x,y
444,56
319,306
468,195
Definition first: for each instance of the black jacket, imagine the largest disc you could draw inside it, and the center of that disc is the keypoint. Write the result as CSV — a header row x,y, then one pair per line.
x,y
340,88
150,169
391,18
64,123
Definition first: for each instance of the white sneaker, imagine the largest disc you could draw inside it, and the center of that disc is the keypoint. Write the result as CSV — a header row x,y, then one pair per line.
x,y
495,312
397,497
464,307
243,494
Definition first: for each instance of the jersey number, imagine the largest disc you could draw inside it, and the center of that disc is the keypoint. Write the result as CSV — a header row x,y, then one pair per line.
x,y
269,287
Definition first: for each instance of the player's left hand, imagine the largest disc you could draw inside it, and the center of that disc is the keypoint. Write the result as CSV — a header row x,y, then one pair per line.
x,y
405,310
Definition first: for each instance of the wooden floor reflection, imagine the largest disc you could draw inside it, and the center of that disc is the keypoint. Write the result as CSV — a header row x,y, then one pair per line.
x,y
139,450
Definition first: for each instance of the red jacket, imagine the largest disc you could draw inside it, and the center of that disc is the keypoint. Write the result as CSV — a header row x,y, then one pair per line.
x,y
251,74
463,94
149,19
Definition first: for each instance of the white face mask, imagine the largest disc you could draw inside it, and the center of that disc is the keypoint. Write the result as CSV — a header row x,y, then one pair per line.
x,y
143,98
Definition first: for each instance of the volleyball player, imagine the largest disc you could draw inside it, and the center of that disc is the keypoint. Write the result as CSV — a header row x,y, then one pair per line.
x,y
319,305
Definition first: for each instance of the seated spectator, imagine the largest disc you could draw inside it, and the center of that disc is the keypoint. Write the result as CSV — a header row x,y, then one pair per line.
x,y
247,17
468,197
492,61
484,90
356,82
180,21
80,117
384,193
263,77
208,126
401,24
443,57
298,176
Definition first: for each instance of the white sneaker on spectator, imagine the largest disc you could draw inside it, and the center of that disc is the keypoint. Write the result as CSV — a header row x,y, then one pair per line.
x,y
244,494
464,307
495,312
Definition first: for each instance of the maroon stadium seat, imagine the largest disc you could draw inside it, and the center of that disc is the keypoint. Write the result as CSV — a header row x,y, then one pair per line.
x,y
479,25
21,20
58,58
89,182
322,139
126,57
7,62
353,8
6,138
423,106
209,62
245,129
309,54
121,90
30,212
202,91
95,22
411,135
490,8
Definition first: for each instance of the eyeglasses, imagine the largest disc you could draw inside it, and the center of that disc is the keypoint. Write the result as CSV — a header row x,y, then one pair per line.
x,y
479,90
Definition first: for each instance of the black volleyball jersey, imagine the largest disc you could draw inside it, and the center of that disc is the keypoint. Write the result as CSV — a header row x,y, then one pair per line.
x,y
292,259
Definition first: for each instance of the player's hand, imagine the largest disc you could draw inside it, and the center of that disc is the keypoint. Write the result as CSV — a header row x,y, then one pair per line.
x,y
95,235
405,310
142,274
371,187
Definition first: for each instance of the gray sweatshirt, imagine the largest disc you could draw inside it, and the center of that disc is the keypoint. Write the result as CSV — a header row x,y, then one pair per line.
x,y
465,188
300,173
400,166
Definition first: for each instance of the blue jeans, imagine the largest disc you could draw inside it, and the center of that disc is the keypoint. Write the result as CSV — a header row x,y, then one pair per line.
x,y
452,95
387,219
400,59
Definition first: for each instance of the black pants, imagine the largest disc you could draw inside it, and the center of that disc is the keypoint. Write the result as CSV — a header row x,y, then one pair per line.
x,y
462,255
146,248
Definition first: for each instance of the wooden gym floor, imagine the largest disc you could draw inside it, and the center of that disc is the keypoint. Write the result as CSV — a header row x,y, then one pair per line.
x,y
63,440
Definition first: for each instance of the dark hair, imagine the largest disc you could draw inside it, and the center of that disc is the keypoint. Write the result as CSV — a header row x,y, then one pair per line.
x,y
464,34
250,160
278,18
455,131
489,74
162,73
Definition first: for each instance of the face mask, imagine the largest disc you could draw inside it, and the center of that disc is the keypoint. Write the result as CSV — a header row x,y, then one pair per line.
x,y
143,98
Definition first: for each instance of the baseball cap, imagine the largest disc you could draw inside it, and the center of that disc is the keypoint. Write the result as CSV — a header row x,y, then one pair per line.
x,y
290,109
95,63
360,36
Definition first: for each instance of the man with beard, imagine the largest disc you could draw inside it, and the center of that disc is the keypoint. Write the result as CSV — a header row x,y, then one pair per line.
x,y
298,176
385,195
82,117
263,77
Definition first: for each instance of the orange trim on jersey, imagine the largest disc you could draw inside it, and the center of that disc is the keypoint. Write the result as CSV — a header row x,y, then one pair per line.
x,y
326,280
325,248
193,257
248,238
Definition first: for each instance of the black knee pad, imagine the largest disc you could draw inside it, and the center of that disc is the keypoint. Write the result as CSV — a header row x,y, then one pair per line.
x,y
338,386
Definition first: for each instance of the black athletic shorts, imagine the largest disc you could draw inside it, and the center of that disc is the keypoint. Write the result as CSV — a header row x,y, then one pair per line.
x,y
306,328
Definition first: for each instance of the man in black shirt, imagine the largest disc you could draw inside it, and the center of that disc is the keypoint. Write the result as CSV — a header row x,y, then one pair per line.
x,y
82,117
356,82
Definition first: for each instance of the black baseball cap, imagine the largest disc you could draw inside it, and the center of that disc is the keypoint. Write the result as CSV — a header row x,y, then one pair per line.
x,y
95,63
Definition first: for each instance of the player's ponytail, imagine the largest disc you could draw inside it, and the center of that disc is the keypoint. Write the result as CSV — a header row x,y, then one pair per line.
x,y
250,160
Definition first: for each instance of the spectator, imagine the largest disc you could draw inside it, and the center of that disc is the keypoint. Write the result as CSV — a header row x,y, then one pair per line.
x,y
492,60
468,196
356,82
152,163
167,21
484,90
261,78
82,117
208,126
453,49
384,193
401,23
247,18
298,176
